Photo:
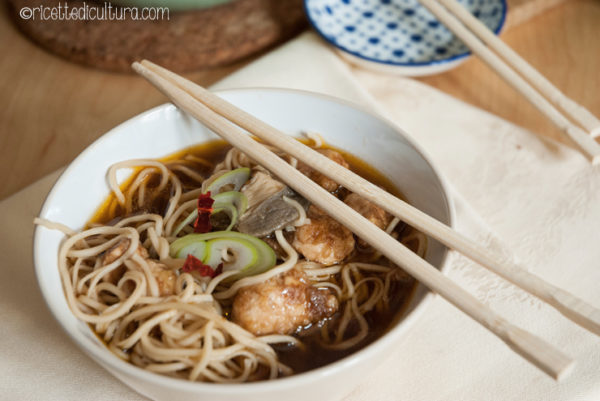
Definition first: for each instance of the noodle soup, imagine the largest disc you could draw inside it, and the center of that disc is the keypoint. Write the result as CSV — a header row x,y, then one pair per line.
x,y
206,267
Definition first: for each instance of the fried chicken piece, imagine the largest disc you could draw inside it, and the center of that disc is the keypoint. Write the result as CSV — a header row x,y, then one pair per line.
x,y
370,211
117,250
165,278
282,304
319,178
323,240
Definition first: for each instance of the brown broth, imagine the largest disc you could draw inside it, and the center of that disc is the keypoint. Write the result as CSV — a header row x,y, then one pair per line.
x,y
211,152
314,355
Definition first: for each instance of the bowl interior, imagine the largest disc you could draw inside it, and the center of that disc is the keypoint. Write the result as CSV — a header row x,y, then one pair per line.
x,y
396,32
165,129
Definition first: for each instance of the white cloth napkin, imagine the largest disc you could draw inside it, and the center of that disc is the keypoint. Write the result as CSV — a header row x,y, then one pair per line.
x,y
541,198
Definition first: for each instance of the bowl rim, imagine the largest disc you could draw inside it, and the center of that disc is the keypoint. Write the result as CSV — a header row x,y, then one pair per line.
x,y
443,61
107,359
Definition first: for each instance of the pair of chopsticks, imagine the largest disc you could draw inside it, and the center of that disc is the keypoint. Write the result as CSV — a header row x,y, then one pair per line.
x,y
481,41
227,121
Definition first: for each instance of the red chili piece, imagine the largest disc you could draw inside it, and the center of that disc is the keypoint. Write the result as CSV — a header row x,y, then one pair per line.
x,y
202,223
192,263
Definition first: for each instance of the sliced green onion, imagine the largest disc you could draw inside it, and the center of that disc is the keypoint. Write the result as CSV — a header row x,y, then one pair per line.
x,y
231,211
188,220
251,255
237,178
243,254
233,203
197,249
231,197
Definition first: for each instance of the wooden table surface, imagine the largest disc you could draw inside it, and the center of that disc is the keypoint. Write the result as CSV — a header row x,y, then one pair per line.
x,y
52,109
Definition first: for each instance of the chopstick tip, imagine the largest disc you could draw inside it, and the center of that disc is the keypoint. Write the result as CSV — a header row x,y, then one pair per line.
x,y
595,132
144,65
566,371
139,67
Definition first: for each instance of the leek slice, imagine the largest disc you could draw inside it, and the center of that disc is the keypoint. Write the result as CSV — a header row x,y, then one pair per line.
x,y
253,256
197,249
242,254
237,178
188,220
233,203
235,198
231,211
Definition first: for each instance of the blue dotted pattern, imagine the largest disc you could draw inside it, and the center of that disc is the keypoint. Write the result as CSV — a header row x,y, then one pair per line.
x,y
400,32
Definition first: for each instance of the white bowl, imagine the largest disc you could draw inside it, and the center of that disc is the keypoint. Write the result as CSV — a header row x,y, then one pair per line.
x,y
164,130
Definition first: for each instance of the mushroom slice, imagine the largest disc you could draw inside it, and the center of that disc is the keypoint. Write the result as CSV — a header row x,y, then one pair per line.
x,y
273,213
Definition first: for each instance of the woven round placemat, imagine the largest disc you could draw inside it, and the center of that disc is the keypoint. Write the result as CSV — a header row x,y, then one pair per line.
x,y
186,41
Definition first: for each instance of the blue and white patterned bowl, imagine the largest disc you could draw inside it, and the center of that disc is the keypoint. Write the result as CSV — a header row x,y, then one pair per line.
x,y
399,36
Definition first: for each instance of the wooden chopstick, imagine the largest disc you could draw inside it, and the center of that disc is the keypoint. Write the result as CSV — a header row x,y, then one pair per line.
x,y
584,142
569,305
577,112
534,349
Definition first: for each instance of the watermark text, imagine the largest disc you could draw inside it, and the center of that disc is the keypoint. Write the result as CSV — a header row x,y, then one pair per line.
x,y
85,12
